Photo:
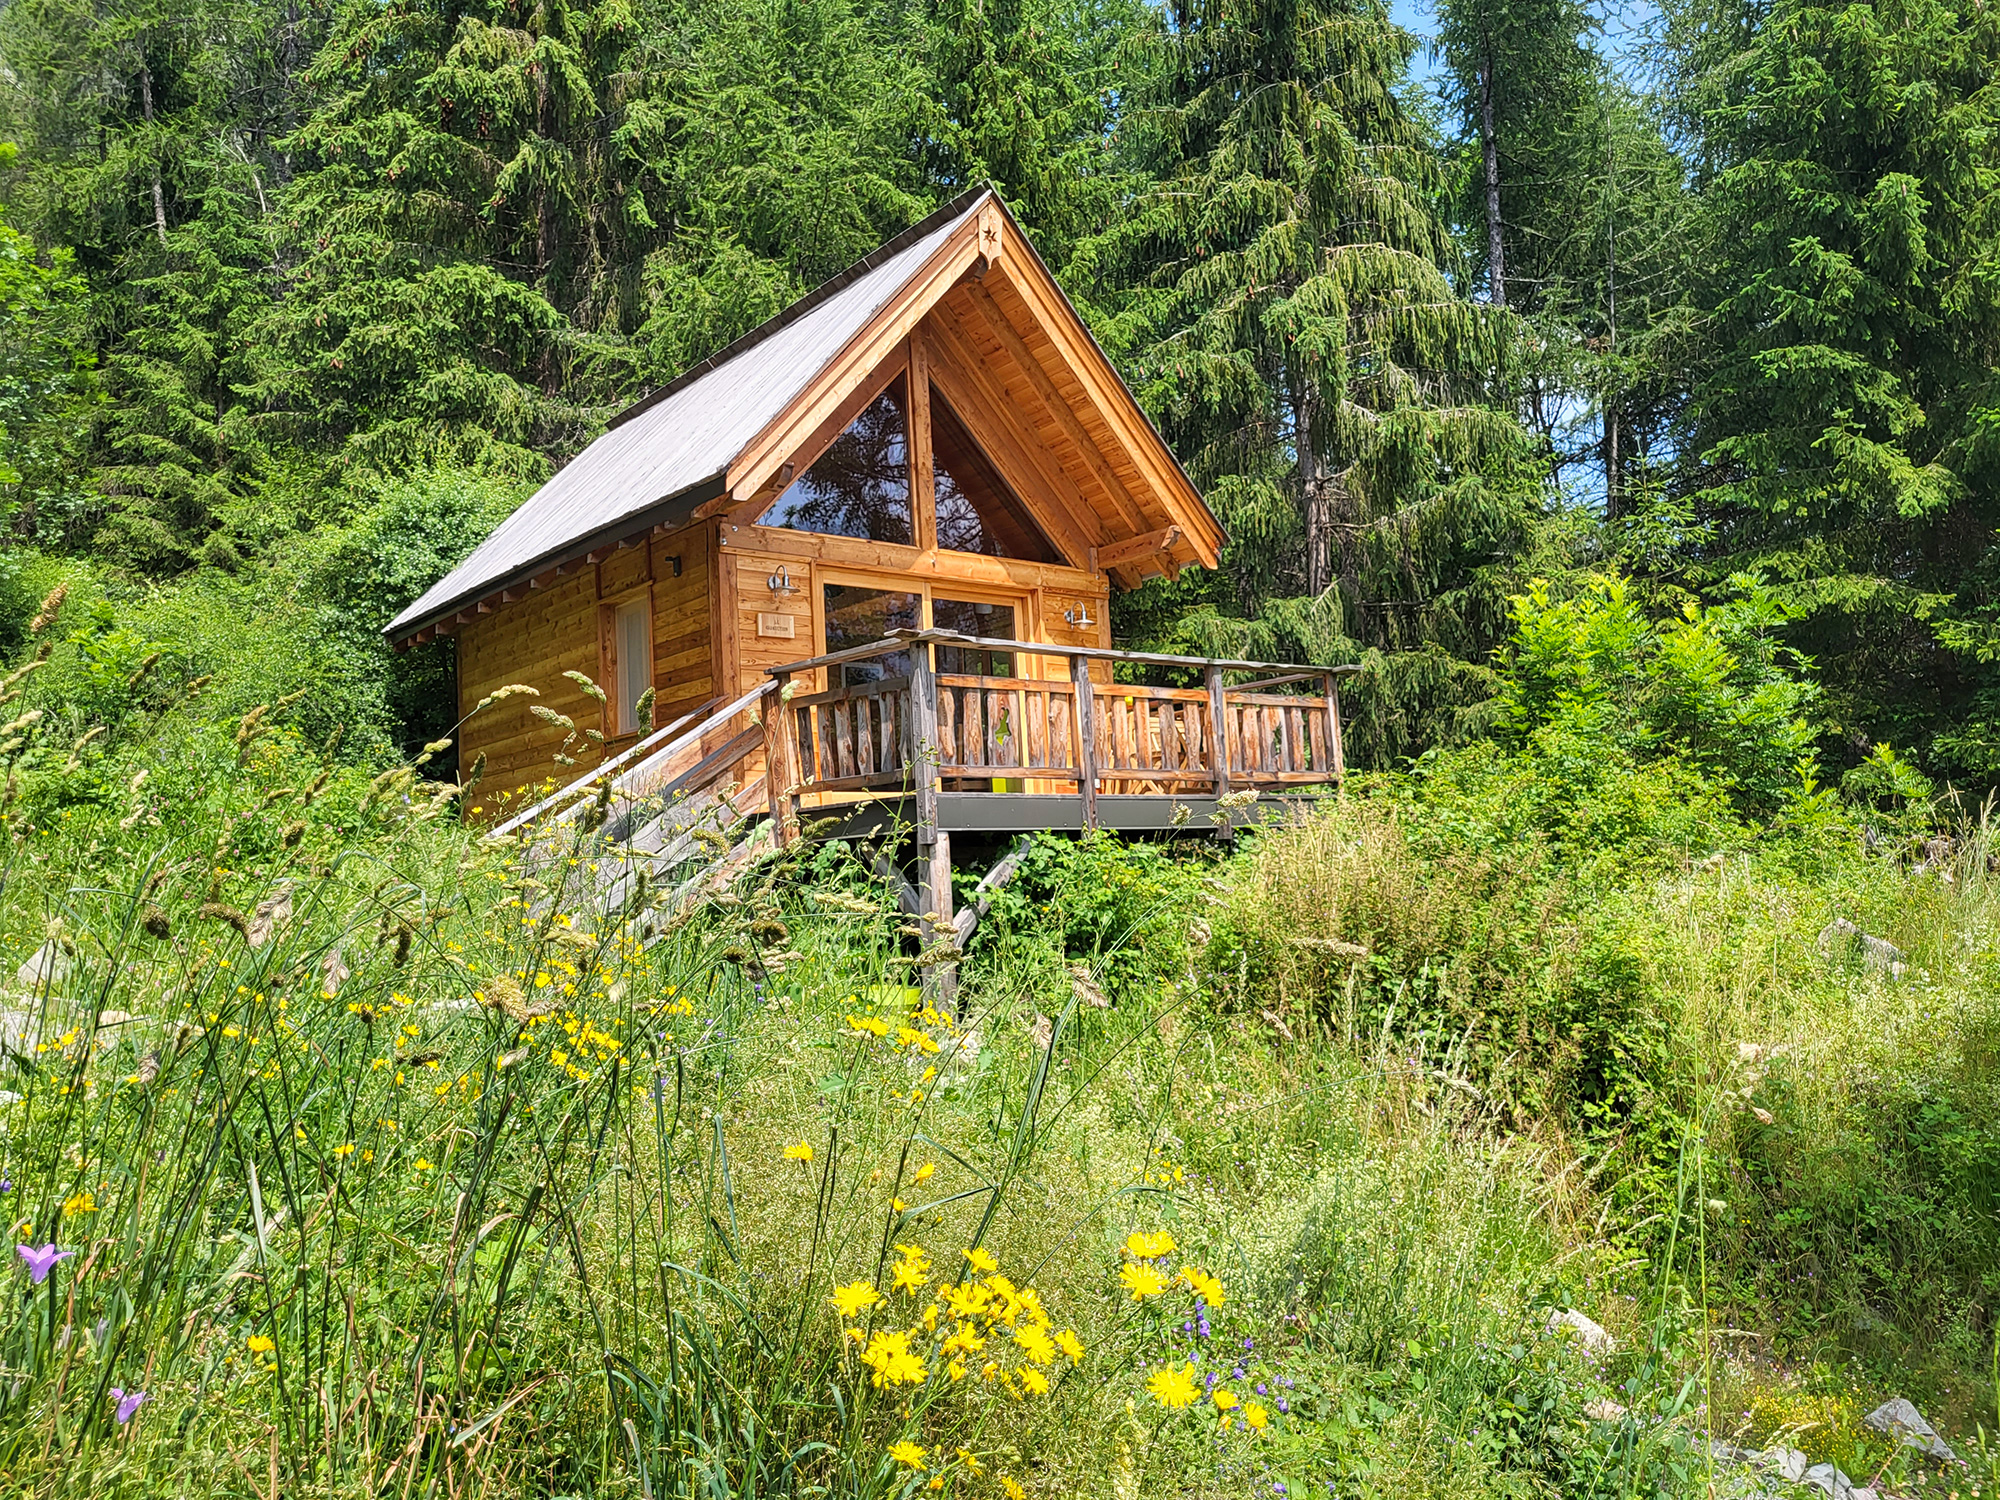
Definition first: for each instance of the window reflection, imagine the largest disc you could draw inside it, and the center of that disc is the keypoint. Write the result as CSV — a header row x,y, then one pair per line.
x,y
858,616
976,511
993,622
859,487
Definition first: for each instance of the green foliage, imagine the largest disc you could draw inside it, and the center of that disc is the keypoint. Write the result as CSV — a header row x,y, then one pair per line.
x,y
1713,688
1840,381
1283,295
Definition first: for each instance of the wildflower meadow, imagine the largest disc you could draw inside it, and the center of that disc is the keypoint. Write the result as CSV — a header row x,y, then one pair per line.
x,y
348,1150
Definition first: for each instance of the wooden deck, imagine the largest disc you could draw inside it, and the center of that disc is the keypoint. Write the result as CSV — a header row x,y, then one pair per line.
x,y
1055,747
903,762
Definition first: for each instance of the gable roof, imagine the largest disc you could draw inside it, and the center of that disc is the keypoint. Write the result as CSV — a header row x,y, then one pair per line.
x,y
673,451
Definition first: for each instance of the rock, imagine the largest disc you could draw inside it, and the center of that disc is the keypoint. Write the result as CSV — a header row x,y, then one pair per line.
x,y
47,966
1789,1462
1841,937
1603,1409
1902,1420
1590,1333
1835,1483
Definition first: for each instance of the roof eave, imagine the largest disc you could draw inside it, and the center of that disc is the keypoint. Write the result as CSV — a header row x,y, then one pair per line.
x,y
669,514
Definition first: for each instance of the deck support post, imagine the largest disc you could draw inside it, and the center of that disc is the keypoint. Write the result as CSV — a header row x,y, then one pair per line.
x,y
940,975
1337,751
778,777
1218,730
1086,739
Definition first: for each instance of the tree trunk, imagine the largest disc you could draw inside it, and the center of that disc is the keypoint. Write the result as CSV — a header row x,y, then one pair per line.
x,y
1496,262
1314,496
1611,475
545,127
159,198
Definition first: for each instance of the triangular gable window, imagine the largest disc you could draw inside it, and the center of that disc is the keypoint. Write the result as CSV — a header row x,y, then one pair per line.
x,y
859,487
976,511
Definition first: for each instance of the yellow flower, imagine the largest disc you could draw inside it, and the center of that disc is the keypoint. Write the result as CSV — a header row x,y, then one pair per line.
x,y
1070,1344
798,1151
1203,1286
423,1164
1036,1344
345,1149
1141,1280
81,1203
956,1370
927,1171
1174,1389
972,1464
1149,1246
855,1296
967,1301
965,1341
897,1204
1254,1416
982,1262
888,1355
1014,1491
260,1344
1224,1398
909,1036
868,1025
907,1453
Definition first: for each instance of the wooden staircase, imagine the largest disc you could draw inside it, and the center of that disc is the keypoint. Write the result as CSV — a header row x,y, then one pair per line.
x,y
662,827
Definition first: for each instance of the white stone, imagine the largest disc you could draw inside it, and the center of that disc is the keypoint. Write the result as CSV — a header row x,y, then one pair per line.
x,y
1590,1333
1901,1419
1789,1462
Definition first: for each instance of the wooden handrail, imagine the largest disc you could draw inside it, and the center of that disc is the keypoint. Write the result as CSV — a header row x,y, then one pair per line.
x,y
897,640
692,736
599,772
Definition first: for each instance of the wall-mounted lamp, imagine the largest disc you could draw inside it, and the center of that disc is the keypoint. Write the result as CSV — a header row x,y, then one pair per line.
x,y
780,583
1077,616
675,564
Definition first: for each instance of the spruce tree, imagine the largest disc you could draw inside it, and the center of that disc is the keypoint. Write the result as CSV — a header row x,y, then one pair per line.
x,y
1846,272
1284,300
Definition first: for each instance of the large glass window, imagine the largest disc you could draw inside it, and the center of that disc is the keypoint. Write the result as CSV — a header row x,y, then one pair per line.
x,y
859,487
976,511
857,616
992,622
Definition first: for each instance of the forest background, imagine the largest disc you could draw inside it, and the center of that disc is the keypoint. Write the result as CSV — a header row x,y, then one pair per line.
x,y
301,297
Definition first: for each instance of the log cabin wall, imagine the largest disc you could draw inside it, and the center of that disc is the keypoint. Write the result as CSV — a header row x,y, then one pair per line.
x,y
534,640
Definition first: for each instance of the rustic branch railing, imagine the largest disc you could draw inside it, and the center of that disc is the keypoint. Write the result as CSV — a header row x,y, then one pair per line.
x,y
930,731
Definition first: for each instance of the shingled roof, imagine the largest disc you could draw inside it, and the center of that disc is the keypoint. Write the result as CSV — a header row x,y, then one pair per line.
x,y
671,451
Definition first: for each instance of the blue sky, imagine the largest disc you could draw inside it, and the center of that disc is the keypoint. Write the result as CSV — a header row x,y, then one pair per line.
x,y
1624,24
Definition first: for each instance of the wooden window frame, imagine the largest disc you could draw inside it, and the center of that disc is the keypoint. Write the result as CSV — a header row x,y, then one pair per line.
x,y
607,656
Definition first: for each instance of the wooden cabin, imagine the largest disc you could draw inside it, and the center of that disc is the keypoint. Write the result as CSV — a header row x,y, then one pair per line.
x,y
864,556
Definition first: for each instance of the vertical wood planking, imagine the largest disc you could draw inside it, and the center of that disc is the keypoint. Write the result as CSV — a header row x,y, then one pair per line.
x,y
1086,739
1218,731
924,723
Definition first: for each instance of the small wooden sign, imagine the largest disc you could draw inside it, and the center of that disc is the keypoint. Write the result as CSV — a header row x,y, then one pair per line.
x,y
776,627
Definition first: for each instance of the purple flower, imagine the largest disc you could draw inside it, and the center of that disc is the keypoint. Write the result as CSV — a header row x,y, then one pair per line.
x,y
1187,1327
1249,1343
1278,1487
1283,1405
128,1403
1212,1377
41,1262
6,1184
1260,1389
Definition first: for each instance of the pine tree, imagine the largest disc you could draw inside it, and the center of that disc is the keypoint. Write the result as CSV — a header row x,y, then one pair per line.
x,y
1283,295
1020,94
150,151
470,176
1838,433
788,126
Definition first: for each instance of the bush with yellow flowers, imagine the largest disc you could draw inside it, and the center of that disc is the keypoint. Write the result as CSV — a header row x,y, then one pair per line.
x,y
945,1353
